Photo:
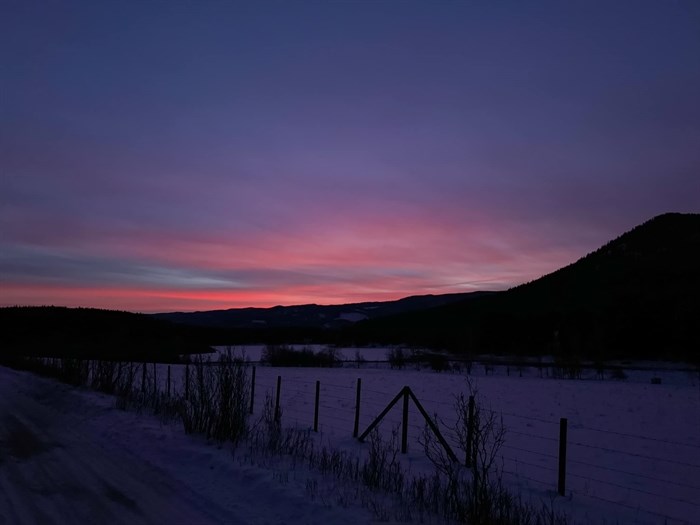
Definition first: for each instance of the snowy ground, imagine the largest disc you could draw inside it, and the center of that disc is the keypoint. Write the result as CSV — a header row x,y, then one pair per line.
x,y
68,457
633,446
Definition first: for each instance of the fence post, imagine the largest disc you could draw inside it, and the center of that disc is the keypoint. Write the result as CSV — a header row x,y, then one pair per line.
x,y
252,391
470,431
318,396
168,380
431,424
378,419
277,397
143,377
562,456
404,427
187,381
356,428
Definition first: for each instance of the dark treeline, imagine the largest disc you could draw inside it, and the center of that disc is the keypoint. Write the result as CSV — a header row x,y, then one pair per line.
x,y
51,331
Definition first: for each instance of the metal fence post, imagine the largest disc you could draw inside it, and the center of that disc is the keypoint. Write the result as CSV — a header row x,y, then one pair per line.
x,y
252,391
404,426
277,397
356,428
563,423
187,381
318,396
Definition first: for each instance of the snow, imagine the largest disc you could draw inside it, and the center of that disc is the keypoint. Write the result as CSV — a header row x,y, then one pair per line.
x,y
633,447
353,317
67,456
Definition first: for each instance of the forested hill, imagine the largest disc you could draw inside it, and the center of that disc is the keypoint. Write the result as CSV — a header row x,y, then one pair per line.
x,y
636,296
92,333
311,316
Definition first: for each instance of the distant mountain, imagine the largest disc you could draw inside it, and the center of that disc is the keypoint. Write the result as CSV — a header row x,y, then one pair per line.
x,y
311,316
638,296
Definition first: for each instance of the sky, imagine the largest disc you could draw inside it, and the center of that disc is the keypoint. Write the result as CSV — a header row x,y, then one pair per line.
x,y
162,156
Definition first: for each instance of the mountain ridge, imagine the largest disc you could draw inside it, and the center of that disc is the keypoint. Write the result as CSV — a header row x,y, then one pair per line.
x,y
635,295
328,317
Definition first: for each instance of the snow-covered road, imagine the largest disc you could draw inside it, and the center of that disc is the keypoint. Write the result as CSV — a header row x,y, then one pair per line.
x,y
67,456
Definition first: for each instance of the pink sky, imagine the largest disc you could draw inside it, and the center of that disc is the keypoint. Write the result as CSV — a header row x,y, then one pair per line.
x,y
160,157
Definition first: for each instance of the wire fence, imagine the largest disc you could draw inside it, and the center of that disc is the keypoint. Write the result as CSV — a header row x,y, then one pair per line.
x,y
659,482
651,475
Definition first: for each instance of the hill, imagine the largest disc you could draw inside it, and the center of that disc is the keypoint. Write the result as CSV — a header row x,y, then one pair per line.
x,y
637,296
311,316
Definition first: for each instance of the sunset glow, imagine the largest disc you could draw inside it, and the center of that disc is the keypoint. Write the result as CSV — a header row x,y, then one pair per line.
x,y
162,157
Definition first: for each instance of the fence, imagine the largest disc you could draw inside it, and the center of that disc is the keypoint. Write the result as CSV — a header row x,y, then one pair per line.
x,y
546,455
644,474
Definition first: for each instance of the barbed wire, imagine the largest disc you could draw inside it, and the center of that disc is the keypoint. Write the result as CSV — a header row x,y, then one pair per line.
x,y
641,491
652,458
335,385
544,454
635,436
644,476
521,462
530,418
389,395
546,438
632,507
339,398
519,475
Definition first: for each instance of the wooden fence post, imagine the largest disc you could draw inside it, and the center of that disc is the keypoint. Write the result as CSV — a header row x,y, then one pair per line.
x,y
470,431
277,397
318,396
404,427
563,423
378,419
433,427
252,391
356,428
187,381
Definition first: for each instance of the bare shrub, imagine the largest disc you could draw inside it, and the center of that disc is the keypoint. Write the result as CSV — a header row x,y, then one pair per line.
x,y
397,358
284,355
218,398
382,469
359,359
473,494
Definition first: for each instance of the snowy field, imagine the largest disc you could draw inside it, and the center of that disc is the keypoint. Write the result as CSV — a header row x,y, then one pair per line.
x,y
67,456
633,446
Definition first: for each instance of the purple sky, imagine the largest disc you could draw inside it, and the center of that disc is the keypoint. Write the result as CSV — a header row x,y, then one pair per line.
x,y
162,156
